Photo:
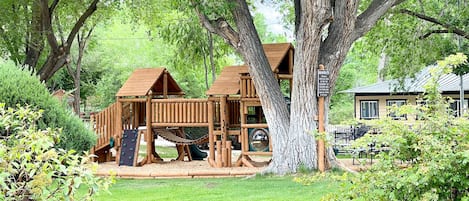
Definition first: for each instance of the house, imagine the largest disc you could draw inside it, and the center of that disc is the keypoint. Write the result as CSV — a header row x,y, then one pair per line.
x,y
370,102
62,95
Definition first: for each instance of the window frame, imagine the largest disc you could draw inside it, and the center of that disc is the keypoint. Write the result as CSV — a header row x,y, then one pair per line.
x,y
369,117
393,116
457,104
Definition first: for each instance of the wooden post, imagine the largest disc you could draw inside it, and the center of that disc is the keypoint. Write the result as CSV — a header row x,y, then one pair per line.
x,y
219,159
228,154
224,129
148,133
118,133
211,137
165,84
321,146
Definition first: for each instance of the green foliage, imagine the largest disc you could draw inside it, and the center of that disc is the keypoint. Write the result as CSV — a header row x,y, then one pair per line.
x,y
20,87
426,161
358,63
18,31
404,37
32,168
177,24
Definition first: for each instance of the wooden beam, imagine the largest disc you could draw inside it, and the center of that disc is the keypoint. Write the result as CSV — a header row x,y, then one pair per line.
x,y
118,134
211,138
260,153
230,132
149,132
224,129
254,126
132,100
165,84
179,100
284,76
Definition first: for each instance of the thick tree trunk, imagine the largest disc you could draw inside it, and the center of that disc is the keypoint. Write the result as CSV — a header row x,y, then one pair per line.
x,y
300,149
273,103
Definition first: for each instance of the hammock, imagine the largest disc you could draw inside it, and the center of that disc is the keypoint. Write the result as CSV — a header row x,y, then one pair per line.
x,y
173,135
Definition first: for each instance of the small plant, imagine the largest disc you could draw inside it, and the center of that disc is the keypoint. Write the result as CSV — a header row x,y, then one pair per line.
x,y
32,168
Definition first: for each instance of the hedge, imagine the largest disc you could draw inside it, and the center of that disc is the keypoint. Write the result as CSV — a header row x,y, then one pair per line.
x,y
19,87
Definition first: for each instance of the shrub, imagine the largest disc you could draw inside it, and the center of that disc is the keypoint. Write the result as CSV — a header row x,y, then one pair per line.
x,y
20,87
426,161
31,168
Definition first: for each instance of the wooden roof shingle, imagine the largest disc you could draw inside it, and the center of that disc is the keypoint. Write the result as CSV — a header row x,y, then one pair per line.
x,y
145,79
227,82
280,59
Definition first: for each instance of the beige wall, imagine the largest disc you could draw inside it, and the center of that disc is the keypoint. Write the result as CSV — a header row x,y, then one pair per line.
x,y
382,112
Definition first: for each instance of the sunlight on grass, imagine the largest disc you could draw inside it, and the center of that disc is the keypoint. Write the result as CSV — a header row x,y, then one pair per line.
x,y
257,188
164,152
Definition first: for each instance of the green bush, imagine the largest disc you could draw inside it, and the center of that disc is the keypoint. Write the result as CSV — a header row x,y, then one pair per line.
x,y
426,161
31,168
20,87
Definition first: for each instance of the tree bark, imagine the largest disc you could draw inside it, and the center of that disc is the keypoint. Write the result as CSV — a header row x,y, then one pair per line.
x,y
212,61
271,98
300,147
35,40
59,54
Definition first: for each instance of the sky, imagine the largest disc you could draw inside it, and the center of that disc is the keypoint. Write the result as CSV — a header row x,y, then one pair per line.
x,y
273,18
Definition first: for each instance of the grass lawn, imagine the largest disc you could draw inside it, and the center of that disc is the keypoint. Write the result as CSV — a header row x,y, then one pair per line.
x,y
258,188
164,152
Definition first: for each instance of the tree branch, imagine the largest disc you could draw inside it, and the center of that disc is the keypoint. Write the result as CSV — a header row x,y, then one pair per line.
x,y
451,28
433,32
369,17
47,23
297,14
81,21
53,6
220,27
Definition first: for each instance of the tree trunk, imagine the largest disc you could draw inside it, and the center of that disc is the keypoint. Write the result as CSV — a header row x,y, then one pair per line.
x,y
59,54
77,78
35,40
212,61
300,149
206,71
273,103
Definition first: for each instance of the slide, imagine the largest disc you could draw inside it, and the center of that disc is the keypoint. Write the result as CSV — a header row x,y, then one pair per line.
x,y
196,153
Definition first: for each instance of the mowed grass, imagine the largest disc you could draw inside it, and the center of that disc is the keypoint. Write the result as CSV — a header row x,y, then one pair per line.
x,y
226,189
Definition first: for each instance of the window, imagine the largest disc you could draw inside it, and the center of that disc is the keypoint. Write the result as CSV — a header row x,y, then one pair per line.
x,y
398,103
420,103
456,105
369,109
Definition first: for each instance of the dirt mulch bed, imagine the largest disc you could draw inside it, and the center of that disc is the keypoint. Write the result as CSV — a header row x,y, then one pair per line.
x,y
174,169
192,169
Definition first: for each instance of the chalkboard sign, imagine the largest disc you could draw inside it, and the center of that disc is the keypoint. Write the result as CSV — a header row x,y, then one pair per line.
x,y
129,148
323,83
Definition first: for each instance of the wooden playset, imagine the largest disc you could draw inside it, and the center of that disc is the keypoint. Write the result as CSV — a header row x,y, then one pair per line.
x,y
150,104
